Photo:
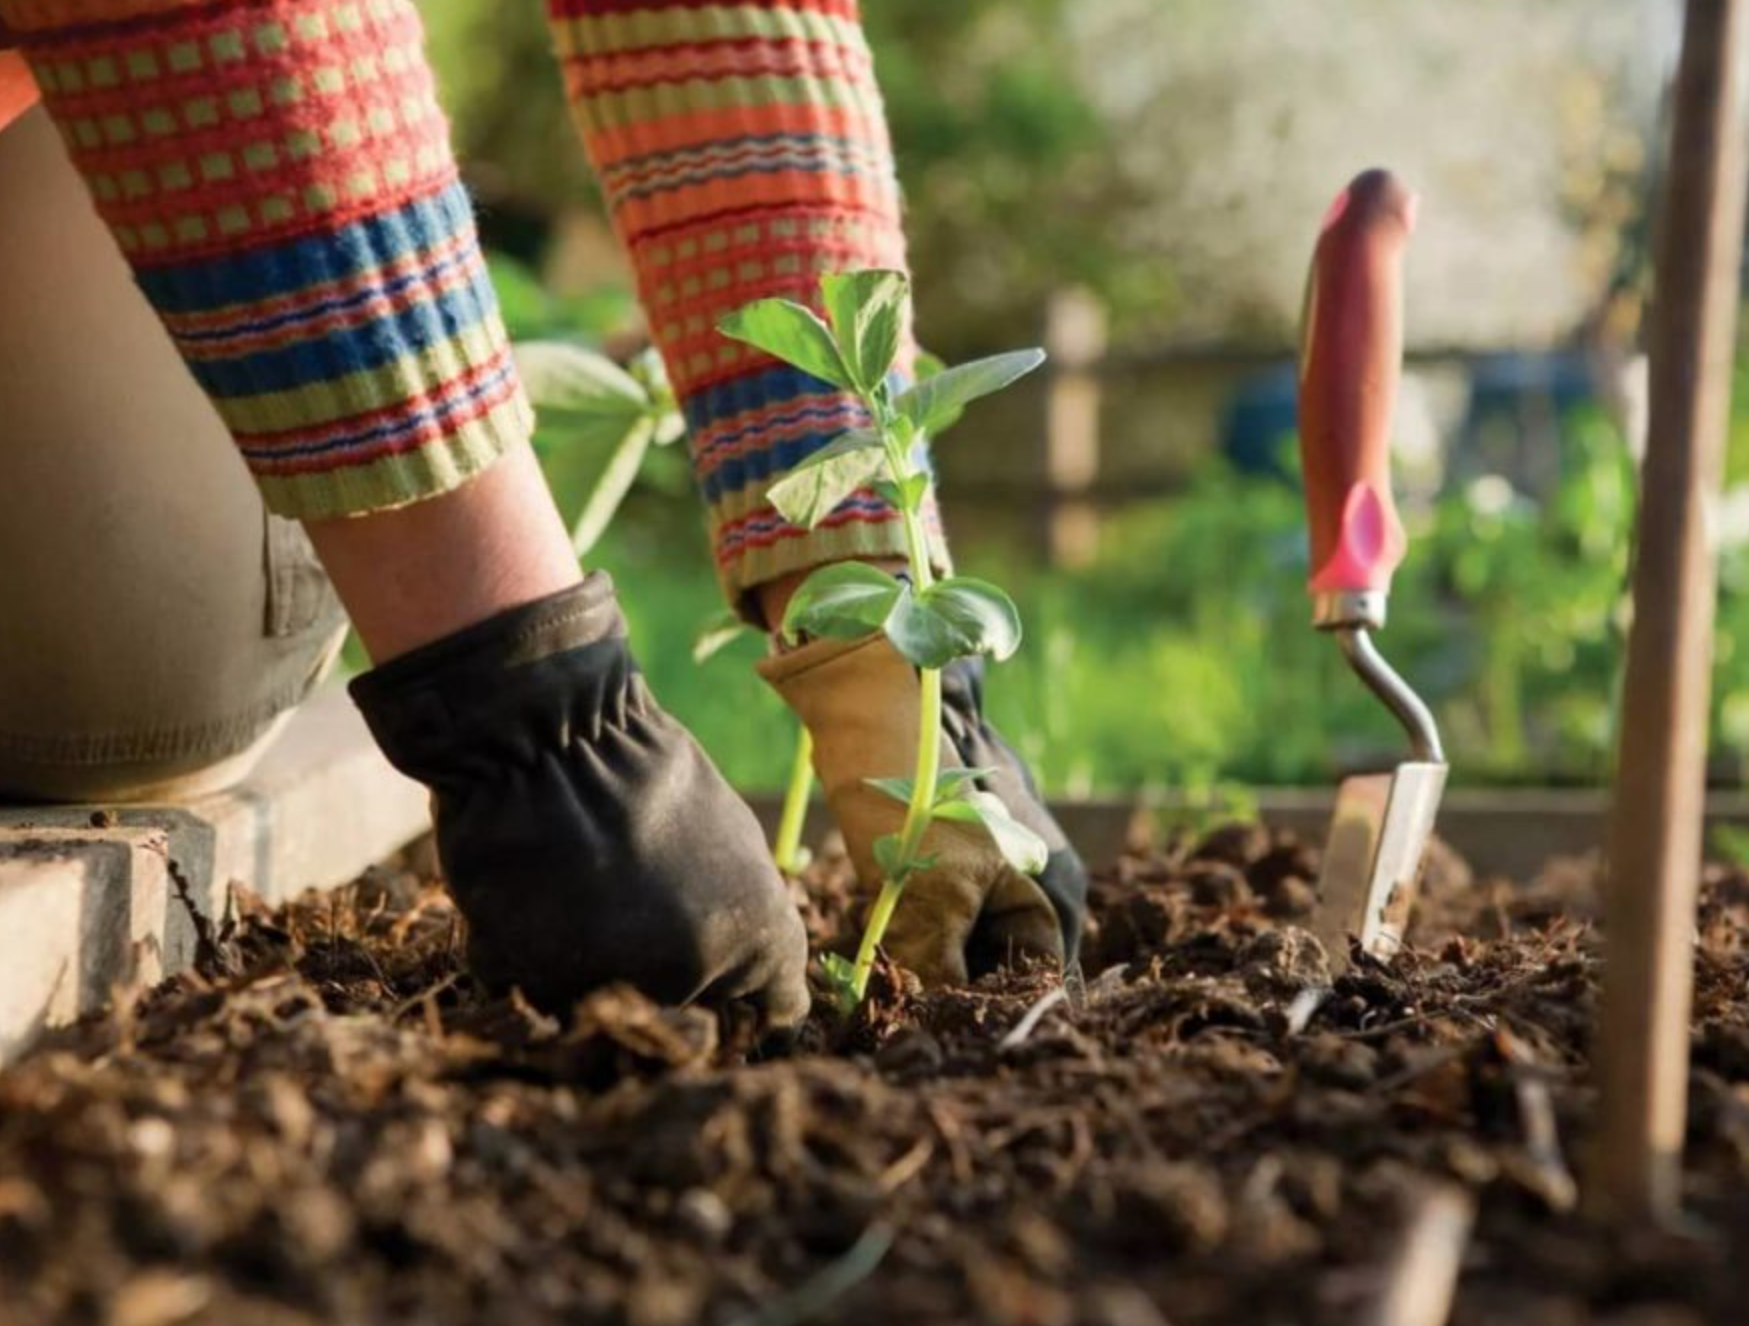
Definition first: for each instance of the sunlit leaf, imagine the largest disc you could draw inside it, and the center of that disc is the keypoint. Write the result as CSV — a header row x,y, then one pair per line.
x,y
935,403
564,378
814,489
922,634
788,331
981,616
899,789
1020,846
843,601
867,312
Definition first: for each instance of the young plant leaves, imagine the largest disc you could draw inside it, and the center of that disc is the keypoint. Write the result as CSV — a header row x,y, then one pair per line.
x,y
951,784
792,333
886,858
899,789
841,980
922,634
981,615
935,403
594,400
867,312
1020,846
907,494
953,619
843,601
717,634
812,490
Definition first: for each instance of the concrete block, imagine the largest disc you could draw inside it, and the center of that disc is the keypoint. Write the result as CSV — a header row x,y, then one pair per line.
x,y
93,895
82,913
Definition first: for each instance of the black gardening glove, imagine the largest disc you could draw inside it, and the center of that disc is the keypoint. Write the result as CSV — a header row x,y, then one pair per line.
x,y
979,745
585,835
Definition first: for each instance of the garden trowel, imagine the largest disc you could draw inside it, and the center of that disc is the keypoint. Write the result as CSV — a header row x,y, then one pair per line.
x,y
1350,361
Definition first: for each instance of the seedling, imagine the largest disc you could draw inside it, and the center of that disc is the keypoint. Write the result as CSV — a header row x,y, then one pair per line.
x,y
930,622
586,399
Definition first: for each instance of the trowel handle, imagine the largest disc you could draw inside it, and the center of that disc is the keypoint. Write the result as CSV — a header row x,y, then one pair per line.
x,y
1351,354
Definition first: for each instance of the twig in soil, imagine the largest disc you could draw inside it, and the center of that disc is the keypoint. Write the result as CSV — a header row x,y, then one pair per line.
x,y
1423,1275
429,993
830,1283
948,1127
1536,1111
1305,1007
1030,1019
906,1167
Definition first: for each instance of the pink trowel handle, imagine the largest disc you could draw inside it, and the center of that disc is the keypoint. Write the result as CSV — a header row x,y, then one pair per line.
x,y
1351,356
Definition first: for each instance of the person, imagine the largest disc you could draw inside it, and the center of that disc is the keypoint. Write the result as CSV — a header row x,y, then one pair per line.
x,y
281,250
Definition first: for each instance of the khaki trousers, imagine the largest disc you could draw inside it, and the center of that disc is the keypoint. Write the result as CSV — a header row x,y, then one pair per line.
x,y
155,624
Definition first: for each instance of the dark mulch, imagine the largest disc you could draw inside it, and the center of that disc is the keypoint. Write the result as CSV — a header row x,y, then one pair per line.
x,y
331,1124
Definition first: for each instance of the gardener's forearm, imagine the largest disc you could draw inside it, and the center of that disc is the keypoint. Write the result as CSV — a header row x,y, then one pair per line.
x,y
743,151
418,573
279,176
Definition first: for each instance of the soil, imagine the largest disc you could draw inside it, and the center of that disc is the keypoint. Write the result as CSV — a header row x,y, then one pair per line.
x,y
330,1123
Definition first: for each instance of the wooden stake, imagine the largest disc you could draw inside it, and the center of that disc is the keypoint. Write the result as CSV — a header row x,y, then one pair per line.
x,y
1655,841
1075,335
1423,1276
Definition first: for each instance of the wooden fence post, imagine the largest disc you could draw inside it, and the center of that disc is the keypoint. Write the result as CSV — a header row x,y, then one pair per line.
x,y
1075,336
1655,837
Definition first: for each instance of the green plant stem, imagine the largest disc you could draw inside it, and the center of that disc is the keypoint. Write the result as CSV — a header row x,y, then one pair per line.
x,y
610,490
787,850
922,804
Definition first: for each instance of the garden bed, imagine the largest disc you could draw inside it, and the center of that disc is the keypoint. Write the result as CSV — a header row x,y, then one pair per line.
x,y
329,1123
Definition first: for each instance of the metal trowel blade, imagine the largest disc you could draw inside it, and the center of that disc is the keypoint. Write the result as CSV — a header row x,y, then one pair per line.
x,y
1372,860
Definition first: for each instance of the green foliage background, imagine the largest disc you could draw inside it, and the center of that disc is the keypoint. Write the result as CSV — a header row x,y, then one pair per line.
x,y
1183,658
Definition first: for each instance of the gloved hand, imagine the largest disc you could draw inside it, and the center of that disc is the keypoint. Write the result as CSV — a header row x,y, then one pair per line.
x,y
585,835
980,746
971,911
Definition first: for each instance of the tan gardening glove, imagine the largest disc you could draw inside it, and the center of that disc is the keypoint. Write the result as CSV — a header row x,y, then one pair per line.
x,y
860,701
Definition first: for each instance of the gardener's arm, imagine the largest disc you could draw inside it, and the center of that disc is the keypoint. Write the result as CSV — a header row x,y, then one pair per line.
x,y
280,179
743,150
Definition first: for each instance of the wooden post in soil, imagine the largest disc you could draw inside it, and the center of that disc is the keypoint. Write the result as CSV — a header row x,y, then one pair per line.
x,y
1075,336
1655,835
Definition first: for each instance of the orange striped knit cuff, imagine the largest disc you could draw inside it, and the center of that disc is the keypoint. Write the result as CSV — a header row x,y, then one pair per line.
x,y
743,151
279,176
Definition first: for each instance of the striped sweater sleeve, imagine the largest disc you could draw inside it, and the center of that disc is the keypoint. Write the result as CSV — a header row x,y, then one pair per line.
x,y
743,150
278,174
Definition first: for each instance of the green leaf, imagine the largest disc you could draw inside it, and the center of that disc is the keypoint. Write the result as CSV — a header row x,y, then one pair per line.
x,y
1020,846
908,494
955,618
652,374
899,789
583,398
928,365
886,857
981,615
813,489
867,312
564,378
843,601
792,333
951,784
922,634
935,403
717,634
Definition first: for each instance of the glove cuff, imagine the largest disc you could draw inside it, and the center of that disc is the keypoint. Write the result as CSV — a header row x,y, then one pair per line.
x,y
501,684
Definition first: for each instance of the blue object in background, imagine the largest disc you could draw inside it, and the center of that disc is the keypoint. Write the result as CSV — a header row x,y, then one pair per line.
x,y
1259,423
